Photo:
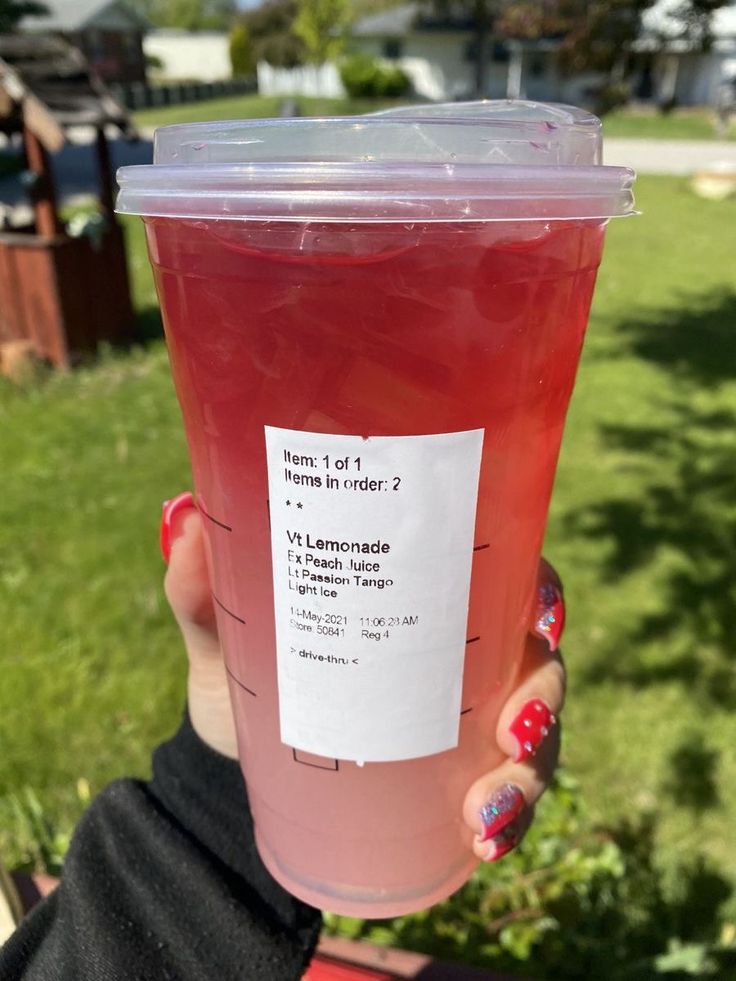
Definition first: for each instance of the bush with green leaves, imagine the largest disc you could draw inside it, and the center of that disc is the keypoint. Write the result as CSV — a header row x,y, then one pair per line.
x,y
574,902
31,840
365,77
610,96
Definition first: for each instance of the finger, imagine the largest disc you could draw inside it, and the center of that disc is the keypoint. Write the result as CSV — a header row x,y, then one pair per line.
x,y
499,806
548,620
491,849
531,712
187,584
188,591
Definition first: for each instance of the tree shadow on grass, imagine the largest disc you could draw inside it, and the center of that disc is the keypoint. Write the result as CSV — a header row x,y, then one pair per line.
x,y
691,914
691,781
695,344
685,508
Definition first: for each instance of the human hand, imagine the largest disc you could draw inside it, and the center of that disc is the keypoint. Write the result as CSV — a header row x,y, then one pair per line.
x,y
499,806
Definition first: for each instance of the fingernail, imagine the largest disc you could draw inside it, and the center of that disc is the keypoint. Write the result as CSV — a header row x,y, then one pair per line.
x,y
530,727
501,844
169,511
549,616
501,808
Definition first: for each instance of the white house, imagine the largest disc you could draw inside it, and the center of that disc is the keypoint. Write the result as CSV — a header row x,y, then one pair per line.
x,y
439,56
681,72
203,56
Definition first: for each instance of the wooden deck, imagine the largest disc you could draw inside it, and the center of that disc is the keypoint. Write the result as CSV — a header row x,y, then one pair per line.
x,y
338,959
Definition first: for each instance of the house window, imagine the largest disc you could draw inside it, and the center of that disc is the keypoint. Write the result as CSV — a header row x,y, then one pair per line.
x,y
496,51
537,66
393,47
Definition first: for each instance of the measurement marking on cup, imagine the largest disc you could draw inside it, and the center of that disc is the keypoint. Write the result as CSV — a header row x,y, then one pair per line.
x,y
479,548
240,683
229,612
472,640
220,524
317,766
465,711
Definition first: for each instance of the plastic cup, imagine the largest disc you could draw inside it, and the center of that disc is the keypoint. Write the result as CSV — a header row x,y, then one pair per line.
x,y
374,326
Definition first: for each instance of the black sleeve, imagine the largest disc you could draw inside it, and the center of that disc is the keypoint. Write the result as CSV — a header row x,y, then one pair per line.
x,y
163,881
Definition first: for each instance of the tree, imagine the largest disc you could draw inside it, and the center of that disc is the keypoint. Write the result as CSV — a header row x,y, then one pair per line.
x,y
689,23
12,13
241,51
599,37
593,35
321,26
270,26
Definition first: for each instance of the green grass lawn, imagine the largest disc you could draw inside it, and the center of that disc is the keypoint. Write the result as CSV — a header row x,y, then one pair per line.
x,y
254,106
680,124
642,529
687,124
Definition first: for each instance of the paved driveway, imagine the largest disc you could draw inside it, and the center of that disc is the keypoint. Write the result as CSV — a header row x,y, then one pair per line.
x,y
75,170
668,156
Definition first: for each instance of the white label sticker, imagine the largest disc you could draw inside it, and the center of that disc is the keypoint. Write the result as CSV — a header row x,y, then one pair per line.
x,y
372,543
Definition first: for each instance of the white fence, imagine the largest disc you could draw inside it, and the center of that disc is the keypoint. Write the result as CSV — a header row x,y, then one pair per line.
x,y
316,80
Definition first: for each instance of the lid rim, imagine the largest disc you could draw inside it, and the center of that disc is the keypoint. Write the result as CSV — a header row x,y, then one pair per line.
x,y
280,192
387,220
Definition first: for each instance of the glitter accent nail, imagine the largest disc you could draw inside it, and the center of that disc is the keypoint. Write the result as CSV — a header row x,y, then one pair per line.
x,y
549,616
502,807
502,844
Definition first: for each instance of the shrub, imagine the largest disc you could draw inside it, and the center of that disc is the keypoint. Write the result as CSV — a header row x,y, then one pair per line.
x,y
365,77
610,96
575,902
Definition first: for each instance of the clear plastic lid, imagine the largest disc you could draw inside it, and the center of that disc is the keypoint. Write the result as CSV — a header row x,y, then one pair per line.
x,y
478,161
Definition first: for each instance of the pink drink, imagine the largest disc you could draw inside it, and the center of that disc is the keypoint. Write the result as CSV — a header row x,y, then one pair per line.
x,y
369,329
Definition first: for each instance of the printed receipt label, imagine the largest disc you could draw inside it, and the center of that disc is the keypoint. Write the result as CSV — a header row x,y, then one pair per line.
x,y
372,544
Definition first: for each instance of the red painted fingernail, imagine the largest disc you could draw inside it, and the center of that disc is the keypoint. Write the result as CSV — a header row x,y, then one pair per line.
x,y
501,844
530,726
501,808
169,511
549,615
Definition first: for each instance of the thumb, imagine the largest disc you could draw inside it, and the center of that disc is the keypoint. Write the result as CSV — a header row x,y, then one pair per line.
x,y
187,587
187,583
